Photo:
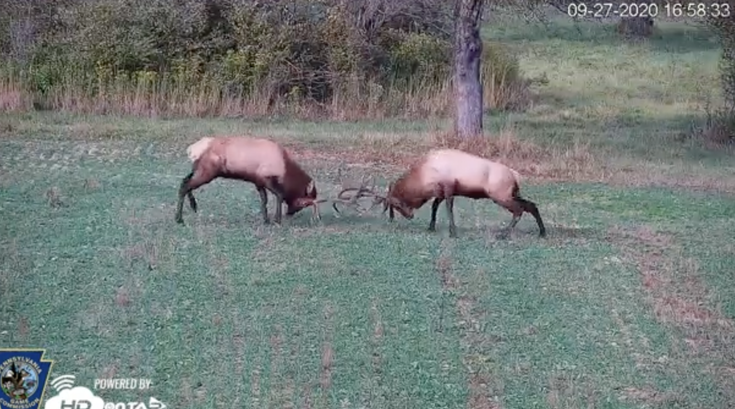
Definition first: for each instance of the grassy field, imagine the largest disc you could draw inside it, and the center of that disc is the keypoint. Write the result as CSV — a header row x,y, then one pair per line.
x,y
628,303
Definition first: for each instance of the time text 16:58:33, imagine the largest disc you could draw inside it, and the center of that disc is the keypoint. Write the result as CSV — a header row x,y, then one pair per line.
x,y
651,9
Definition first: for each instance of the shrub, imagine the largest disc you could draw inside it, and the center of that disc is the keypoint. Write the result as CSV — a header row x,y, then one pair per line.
x,y
503,86
155,56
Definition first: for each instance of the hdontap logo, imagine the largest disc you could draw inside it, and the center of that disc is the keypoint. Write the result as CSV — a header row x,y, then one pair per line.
x,y
79,397
71,397
63,382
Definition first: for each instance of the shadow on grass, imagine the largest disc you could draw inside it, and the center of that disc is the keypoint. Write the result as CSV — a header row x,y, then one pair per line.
x,y
676,37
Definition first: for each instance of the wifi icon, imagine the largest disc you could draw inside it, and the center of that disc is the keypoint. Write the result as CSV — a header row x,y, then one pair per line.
x,y
63,382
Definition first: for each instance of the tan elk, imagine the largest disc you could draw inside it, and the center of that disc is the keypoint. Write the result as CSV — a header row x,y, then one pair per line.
x,y
259,161
444,174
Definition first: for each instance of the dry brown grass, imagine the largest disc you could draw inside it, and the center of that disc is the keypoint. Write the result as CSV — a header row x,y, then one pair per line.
x,y
718,132
650,396
13,98
91,184
352,102
378,152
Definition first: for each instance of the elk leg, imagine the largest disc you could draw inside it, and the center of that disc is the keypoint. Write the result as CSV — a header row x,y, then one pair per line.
x,y
450,214
263,203
192,201
434,208
530,207
275,186
279,208
517,210
191,182
391,213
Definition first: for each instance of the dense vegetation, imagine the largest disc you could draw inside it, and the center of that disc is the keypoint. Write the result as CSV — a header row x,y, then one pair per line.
x,y
366,57
326,58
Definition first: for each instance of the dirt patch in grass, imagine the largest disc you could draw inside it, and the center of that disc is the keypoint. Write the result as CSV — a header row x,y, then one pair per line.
x,y
54,197
255,387
146,252
110,370
564,387
377,358
679,298
122,297
673,282
307,398
23,328
325,379
648,395
483,390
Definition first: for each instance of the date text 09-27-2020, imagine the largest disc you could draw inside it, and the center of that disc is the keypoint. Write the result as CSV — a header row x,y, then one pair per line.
x,y
668,10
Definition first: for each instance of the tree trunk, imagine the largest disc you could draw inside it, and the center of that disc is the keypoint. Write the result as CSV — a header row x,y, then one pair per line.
x,y
635,27
467,53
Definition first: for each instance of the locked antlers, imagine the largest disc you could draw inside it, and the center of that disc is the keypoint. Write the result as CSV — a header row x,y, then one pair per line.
x,y
360,192
352,200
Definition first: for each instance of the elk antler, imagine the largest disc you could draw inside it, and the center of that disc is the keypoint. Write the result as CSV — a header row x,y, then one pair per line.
x,y
361,191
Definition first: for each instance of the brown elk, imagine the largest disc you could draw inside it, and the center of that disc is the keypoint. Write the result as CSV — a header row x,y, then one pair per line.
x,y
259,161
444,174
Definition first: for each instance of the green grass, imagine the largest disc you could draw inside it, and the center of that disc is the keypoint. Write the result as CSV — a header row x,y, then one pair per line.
x,y
628,303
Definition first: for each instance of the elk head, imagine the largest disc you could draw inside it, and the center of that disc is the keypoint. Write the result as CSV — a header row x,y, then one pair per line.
x,y
308,199
390,201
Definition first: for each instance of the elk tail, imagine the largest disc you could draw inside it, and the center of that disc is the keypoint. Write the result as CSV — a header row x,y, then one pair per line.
x,y
197,149
516,175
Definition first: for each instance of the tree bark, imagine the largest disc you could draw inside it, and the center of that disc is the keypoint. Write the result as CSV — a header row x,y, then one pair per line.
x,y
635,27
467,53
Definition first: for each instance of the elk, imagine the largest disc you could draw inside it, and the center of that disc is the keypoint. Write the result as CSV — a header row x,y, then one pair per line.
x,y
442,175
259,161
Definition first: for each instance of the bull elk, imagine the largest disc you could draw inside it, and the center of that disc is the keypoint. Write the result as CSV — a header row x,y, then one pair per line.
x,y
262,162
444,174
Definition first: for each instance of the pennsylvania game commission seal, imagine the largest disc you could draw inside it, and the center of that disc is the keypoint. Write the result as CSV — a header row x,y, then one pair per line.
x,y
22,379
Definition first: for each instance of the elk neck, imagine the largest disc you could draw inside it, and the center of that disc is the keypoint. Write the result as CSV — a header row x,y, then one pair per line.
x,y
295,179
409,189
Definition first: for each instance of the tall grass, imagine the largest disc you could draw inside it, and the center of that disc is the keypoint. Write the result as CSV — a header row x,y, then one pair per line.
x,y
149,94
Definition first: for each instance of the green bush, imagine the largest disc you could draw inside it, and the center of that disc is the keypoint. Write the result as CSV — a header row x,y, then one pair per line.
x,y
296,50
420,56
499,65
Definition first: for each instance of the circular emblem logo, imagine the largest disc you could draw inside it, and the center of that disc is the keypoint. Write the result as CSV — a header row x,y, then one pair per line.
x,y
18,380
